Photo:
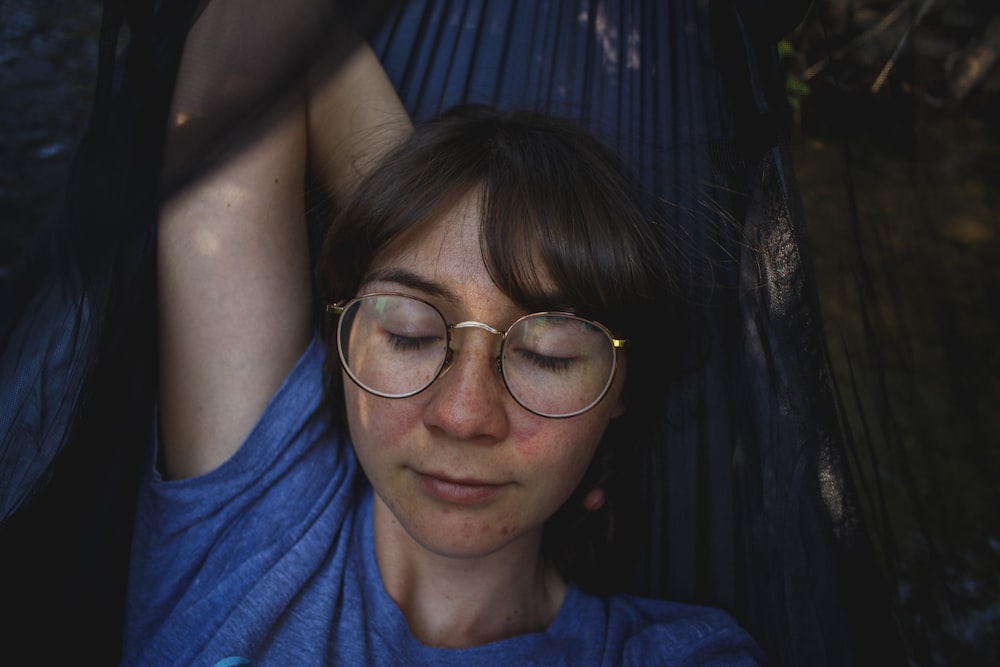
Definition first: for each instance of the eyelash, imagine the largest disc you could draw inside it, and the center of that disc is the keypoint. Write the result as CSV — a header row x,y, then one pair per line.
x,y
557,364
406,343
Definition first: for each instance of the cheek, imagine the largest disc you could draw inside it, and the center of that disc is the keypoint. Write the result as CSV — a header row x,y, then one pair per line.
x,y
559,452
377,426
358,415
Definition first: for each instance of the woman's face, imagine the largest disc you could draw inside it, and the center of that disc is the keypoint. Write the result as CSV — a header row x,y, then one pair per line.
x,y
462,468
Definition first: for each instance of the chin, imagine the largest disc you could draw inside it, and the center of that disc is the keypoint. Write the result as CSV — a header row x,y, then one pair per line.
x,y
462,533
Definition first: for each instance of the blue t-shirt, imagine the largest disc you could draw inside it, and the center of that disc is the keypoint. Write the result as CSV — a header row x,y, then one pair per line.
x,y
270,560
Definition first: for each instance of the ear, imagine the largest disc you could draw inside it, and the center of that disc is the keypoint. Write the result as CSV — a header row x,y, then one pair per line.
x,y
594,499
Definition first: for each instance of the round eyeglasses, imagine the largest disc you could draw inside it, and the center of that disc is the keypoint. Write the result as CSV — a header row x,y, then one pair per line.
x,y
553,364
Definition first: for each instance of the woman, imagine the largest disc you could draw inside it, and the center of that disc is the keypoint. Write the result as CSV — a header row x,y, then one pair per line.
x,y
490,287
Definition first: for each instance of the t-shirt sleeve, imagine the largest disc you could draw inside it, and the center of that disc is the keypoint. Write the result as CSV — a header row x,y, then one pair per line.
x,y
644,631
204,546
714,641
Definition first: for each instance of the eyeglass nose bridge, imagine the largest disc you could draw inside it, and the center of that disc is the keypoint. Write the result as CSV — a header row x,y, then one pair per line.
x,y
473,324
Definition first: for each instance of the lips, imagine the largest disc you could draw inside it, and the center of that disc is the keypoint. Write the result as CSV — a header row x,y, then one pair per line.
x,y
459,491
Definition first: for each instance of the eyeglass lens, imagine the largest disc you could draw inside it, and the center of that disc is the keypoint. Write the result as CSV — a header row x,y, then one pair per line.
x,y
554,365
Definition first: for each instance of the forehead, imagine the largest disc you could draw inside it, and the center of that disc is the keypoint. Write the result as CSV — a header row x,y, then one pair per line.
x,y
446,244
441,258
444,258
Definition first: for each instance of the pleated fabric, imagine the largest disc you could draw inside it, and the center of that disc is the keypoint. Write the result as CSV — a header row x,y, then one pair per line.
x,y
752,508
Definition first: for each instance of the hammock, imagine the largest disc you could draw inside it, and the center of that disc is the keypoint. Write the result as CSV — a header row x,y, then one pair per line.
x,y
753,508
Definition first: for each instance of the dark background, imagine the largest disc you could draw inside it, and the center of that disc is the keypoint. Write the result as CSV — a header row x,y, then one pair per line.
x,y
897,152
896,143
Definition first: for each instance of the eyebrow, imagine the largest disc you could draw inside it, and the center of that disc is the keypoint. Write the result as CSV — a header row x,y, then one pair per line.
x,y
411,280
406,278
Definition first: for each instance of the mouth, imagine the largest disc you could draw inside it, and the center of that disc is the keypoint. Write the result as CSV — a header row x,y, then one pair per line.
x,y
459,491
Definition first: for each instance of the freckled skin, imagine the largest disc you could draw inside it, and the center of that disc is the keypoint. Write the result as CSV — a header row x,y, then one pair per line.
x,y
466,426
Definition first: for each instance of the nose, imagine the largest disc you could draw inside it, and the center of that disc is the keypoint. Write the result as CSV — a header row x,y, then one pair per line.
x,y
468,401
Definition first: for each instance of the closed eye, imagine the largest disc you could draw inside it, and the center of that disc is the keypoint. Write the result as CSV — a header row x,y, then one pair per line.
x,y
409,343
546,362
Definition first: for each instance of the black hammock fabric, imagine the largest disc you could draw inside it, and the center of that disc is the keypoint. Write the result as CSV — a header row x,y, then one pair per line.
x,y
752,508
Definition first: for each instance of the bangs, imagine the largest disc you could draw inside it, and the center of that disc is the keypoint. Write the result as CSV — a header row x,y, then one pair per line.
x,y
564,231
562,227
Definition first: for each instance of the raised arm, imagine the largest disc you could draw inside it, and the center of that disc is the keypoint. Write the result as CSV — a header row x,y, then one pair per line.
x,y
234,280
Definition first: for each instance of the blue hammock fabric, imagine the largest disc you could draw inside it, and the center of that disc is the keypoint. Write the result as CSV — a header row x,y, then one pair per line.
x,y
753,505
752,510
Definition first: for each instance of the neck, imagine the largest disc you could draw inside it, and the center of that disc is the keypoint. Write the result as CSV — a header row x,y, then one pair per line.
x,y
462,602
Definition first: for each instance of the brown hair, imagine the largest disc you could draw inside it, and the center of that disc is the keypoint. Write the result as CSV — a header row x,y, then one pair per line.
x,y
551,196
